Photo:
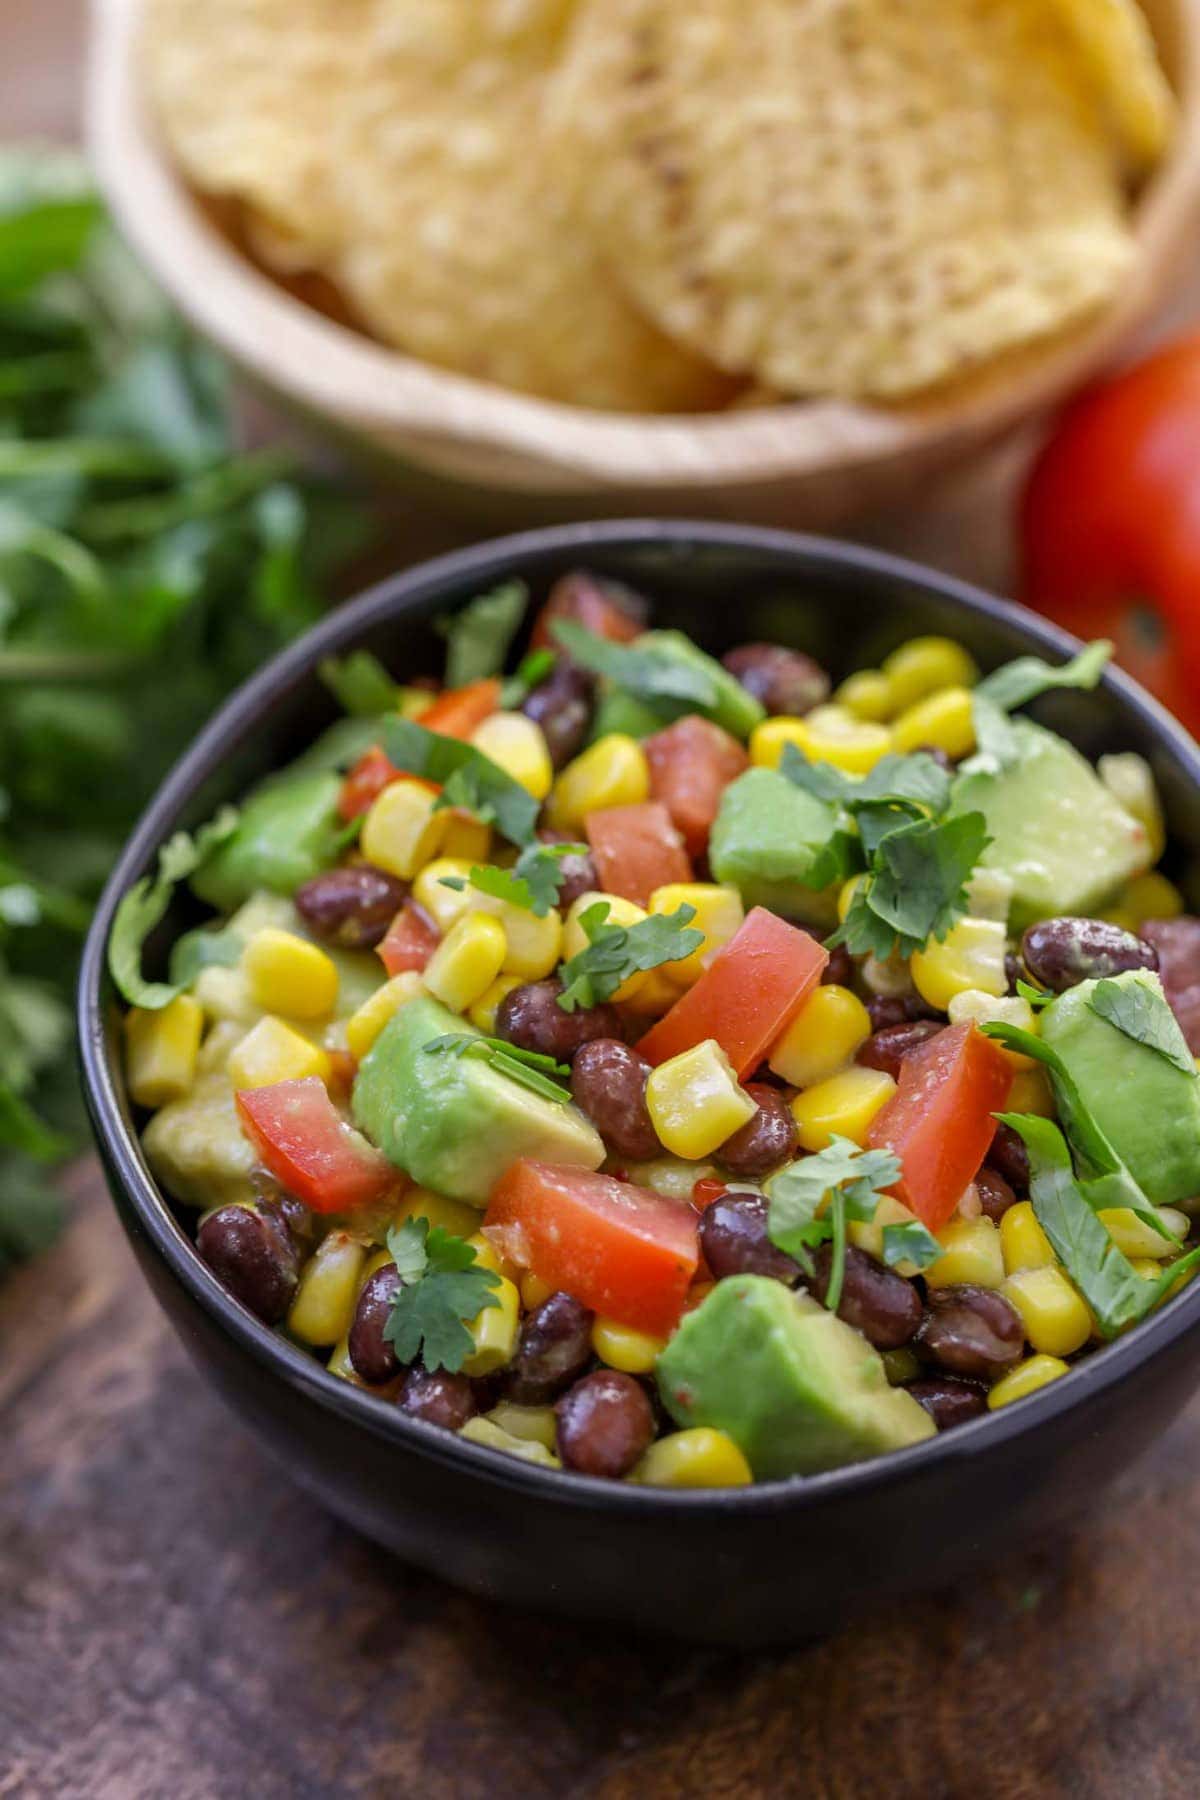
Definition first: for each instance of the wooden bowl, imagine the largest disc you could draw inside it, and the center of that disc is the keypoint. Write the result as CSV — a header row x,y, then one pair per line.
x,y
810,463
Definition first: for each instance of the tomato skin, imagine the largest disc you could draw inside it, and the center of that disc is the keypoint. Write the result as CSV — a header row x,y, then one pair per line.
x,y
412,937
940,1122
748,995
460,711
1110,522
625,1251
365,782
301,1139
692,762
708,1189
590,603
636,849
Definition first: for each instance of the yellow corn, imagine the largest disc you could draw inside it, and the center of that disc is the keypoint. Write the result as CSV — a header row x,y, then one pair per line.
x,y
466,962
621,1347
831,734
271,1051
365,1025
533,946
868,695
411,702
466,836
926,665
822,1038
842,1106
289,975
1026,1378
1135,1238
1146,1267
942,721
161,1049
698,1458
488,1257
1031,1093
656,993
533,1290
900,1365
532,1424
483,1013
970,956
1152,896
971,1252
887,977
494,1331
975,1007
611,772
517,745
719,915
695,1102
454,1216
402,831
378,1259
1130,779
1056,1320
481,1430
1022,1240
339,1363
445,905
867,1234
323,1308
620,912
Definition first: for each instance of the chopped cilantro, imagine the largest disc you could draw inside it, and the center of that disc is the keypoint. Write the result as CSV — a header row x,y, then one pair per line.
x,y
468,778
479,635
146,903
441,1287
528,1067
359,683
652,673
1034,997
851,1178
203,949
915,888
916,782
1016,683
910,1242
615,952
532,670
532,883
1141,1014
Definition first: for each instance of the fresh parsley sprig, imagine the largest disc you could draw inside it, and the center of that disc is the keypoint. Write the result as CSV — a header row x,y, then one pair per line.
x,y
528,1067
442,1286
615,952
915,887
146,904
533,883
467,777
480,634
851,1179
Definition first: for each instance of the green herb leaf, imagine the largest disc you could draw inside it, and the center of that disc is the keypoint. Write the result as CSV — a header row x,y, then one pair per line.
x,y
615,952
916,886
1018,682
528,1067
532,670
467,777
1140,1013
479,635
441,1287
202,949
533,883
910,1242
1036,998
146,903
853,1179
651,673
359,683
915,782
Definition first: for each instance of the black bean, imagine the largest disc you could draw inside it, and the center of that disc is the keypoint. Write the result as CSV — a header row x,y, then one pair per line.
x,y
839,970
995,1193
554,1346
1176,943
949,1402
886,1010
888,1049
562,706
439,1398
971,1331
786,681
250,1251
1009,1157
1060,953
371,1355
884,1306
578,872
608,1080
532,1018
605,1423
734,1241
764,1141
351,907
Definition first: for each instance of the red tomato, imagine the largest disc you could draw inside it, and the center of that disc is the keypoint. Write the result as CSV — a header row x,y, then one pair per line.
x,y
748,995
590,602
636,849
939,1121
307,1146
1110,523
626,1252
692,762
412,937
459,711
365,782
706,1190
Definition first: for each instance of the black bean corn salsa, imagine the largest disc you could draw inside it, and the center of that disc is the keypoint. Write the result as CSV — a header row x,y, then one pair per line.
x,y
667,1070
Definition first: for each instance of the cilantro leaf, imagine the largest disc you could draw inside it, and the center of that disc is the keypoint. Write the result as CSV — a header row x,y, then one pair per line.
x,y
1037,999
916,886
146,903
441,1287
479,635
615,952
651,673
851,1177
910,1242
1140,1013
916,780
528,1067
203,949
533,882
359,683
467,777
531,671
1018,682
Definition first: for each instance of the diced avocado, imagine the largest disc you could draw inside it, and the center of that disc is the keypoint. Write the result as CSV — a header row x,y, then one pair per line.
x,y
796,1388
765,840
197,1148
454,1123
1055,828
617,710
733,707
1147,1108
287,832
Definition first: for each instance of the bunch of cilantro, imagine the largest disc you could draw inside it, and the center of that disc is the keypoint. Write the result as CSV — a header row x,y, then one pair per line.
x,y
146,567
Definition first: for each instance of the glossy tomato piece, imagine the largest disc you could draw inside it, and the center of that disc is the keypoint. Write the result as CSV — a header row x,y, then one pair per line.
x,y
412,937
636,849
611,611
940,1120
311,1150
365,782
746,998
692,762
460,711
625,1251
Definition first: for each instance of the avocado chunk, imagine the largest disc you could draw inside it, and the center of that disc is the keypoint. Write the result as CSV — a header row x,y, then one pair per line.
x,y
196,1146
1056,829
454,1123
1147,1108
795,1387
766,839
732,707
287,832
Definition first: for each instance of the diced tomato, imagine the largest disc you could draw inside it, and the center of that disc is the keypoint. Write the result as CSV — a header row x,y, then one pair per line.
x,y
636,849
708,1189
939,1121
592,603
692,762
459,711
302,1140
748,995
412,937
365,782
625,1251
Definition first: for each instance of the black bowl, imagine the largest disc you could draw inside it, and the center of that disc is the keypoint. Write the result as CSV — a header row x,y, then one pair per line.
x,y
768,1564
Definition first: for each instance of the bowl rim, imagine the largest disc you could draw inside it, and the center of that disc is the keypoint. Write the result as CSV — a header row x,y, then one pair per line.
x,y
418,591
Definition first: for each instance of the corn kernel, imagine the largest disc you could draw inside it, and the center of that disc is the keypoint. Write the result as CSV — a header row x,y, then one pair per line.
x,y
289,975
1026,1378
271,1051
466,838
845,899
719,915
532,1424
483,1013
482,1430
926,665
822,1038
466,962
533,1290
533,946
621,1347
867,1234
411,702
620,912
1152,896
887,977
942,721
1022,1240
970,956
446,905
517,745
831,734
339,1363
698,1458
970,1252
611,772
1130,779
868,695
454,1216
1135,1238
842,1106
655,995
323,1308
1056,1320
365,1025
378,1259
695,1102
977,1008
488,1257
494,1331
1031,1092
161,1049
402,831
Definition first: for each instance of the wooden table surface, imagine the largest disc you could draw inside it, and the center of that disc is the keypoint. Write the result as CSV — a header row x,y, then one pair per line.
x,y
177,1620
